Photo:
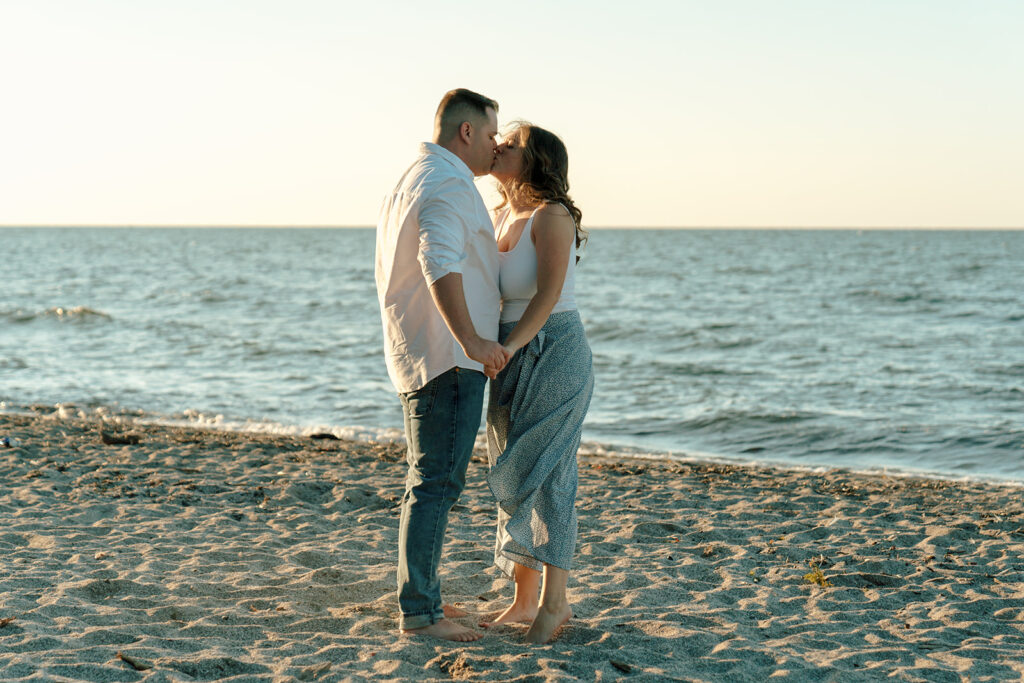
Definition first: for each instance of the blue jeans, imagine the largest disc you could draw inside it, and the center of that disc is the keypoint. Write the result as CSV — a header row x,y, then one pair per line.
x,y
441,422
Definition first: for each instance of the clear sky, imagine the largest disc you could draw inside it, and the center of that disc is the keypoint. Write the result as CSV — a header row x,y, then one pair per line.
x,y
676,113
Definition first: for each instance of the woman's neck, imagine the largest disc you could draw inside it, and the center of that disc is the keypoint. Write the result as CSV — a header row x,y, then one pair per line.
x,y
516,206
520,207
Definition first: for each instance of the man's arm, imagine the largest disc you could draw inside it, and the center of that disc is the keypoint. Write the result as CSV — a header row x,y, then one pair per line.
x,y
450,299
440,255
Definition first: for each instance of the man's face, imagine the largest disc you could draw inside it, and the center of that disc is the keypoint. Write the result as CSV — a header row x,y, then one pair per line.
x,y
508,162
484,144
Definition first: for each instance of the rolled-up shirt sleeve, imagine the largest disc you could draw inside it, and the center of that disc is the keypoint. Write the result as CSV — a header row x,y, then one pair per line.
x,y
443,233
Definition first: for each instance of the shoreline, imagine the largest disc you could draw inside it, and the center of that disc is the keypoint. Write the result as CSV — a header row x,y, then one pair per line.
x,y
129,418
209,554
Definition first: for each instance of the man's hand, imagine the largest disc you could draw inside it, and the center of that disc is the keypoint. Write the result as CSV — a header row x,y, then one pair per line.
x,y
493,355
450,301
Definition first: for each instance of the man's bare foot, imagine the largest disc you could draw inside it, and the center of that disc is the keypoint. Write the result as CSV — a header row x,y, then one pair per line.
x,y
445,630
543,628
515,614
453,612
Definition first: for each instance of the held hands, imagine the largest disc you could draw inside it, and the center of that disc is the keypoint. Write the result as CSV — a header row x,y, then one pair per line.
x,y
493,355
509,352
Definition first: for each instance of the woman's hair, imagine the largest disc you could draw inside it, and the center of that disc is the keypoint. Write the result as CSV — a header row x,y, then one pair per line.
x,y
545,175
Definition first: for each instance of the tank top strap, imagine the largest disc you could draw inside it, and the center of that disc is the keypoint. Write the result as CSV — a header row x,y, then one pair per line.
x,y
528,228
499,221
503,216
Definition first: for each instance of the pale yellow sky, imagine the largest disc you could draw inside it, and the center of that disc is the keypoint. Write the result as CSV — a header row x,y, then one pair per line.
x,y
250,112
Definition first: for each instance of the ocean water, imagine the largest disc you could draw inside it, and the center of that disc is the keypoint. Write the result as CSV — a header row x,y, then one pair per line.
x,y
900,350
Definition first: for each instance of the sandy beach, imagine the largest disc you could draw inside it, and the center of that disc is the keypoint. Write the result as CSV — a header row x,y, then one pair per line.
x,y
201,555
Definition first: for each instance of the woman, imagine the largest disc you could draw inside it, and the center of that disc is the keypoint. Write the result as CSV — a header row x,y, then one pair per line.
x,y
538,401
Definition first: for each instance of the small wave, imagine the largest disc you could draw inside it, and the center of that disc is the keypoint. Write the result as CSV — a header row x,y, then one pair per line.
x,y
610,332
1002,369
1017,370
903,297
743,270
730,420
694,457
895,369
739,343
673,368
208,296
969,269
195,418
74,314
868,293
18,315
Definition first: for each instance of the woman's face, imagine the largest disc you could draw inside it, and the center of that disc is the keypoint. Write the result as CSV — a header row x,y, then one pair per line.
x,y
508,162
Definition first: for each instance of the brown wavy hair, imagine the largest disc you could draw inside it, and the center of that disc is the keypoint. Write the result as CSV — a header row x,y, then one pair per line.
x,y
545,175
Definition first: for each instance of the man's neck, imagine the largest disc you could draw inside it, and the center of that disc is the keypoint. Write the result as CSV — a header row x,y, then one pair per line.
x,y
450,146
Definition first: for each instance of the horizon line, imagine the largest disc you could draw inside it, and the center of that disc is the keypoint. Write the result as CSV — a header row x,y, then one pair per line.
x,y
255,226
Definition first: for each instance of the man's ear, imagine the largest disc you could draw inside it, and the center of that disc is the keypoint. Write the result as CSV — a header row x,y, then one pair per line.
x,y
466,131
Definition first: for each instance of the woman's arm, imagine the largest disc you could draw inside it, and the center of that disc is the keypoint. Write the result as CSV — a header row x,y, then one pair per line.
x,y
554,236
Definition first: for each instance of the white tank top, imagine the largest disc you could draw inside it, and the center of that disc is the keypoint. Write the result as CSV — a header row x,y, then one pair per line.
x,y
517,277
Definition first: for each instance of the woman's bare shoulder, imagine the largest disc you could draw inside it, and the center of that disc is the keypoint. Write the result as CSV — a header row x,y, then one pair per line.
x,y
554,215
554,221
554,210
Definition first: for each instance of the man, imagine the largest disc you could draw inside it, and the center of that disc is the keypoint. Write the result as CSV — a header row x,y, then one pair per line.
x,y
437,283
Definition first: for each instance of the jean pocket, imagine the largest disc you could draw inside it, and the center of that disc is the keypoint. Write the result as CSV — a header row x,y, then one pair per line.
x,y
420,402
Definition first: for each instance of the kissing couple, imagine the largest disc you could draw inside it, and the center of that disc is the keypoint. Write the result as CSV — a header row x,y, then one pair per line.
x,y
464,297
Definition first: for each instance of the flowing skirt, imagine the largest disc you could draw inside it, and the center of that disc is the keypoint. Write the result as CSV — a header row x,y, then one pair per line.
x,y
534,423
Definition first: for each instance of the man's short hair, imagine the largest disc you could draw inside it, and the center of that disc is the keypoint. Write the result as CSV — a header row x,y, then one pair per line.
x,y
457,106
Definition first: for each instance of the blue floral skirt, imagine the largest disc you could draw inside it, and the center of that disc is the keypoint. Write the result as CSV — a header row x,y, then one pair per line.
x,y
534,424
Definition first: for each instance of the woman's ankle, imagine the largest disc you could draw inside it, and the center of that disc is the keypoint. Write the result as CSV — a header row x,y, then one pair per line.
x,y
554,606
525,604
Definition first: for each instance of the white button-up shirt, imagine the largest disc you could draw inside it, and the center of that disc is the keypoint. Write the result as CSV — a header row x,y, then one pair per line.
x,y
432,224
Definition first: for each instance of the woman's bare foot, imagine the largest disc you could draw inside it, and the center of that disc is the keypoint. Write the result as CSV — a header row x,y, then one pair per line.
x,y
515,614
445,630
453,612
543,628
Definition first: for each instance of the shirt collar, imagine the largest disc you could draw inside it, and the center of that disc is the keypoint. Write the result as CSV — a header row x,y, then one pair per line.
x,y
459,164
